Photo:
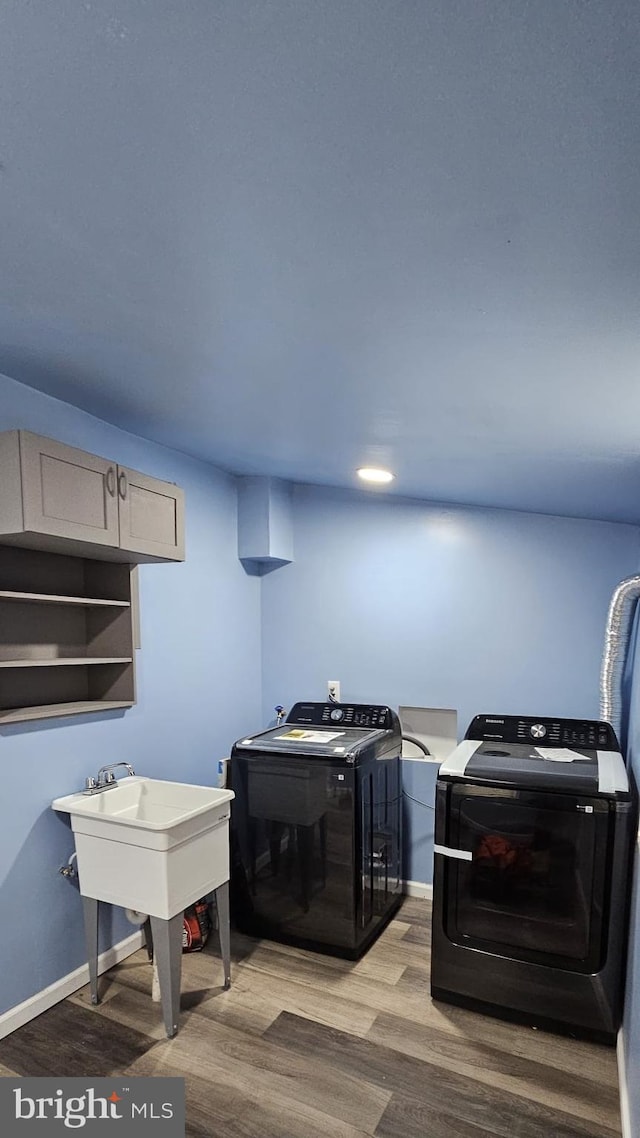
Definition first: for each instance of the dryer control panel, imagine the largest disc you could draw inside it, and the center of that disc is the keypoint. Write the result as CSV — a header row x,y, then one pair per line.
x,y
345,714
543,732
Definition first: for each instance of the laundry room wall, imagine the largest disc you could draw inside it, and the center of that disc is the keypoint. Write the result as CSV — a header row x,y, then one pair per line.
x,y
410,603
198,674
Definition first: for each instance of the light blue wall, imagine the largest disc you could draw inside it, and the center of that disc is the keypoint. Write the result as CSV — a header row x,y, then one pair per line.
x,y
631,1028
198,690
410,603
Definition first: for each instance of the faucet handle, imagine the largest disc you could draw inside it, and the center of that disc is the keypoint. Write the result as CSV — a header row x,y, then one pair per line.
x,y
108,777
90,783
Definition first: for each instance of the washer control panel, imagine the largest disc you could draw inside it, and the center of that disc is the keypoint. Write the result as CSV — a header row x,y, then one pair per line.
x,y
586,733
342,714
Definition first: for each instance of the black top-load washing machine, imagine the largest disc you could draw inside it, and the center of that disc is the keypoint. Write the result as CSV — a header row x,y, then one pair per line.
x,y
535,822
316,827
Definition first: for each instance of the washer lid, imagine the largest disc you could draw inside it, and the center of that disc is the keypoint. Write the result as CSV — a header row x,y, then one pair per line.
x,y
576,770
314,741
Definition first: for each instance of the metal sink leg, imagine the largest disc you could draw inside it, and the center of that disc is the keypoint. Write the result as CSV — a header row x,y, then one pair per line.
x,y
90,913
167,950
222,905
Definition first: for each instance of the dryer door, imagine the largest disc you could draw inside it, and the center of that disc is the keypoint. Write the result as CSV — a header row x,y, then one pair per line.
x,y
532,884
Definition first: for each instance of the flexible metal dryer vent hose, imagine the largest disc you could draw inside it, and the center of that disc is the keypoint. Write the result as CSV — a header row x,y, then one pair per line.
x,y
616,643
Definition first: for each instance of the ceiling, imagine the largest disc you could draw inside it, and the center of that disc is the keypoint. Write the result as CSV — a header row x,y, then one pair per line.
x,y
294,236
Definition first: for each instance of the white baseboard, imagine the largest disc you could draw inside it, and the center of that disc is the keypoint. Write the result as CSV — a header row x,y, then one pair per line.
x,y
42,1001
417,889
625,1106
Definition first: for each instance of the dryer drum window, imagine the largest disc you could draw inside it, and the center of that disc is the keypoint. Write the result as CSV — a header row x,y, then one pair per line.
x,y
535,883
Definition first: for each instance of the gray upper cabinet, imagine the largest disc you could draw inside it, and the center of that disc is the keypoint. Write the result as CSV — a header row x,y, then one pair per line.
x,y
67,492
57,498
151,515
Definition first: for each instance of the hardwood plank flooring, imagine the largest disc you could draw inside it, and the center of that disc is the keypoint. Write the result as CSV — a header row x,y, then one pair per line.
x,y
418,934
549,1085
430,1084
69,1040
311,1046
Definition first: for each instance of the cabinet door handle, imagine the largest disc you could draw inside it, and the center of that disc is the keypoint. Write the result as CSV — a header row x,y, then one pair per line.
x,y
122,485
111,481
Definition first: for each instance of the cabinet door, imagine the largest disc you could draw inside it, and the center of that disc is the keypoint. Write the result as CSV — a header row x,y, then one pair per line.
x,y
151,515
67,492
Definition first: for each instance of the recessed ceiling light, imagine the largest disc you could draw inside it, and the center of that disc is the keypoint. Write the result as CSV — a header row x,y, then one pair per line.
x,y
375,474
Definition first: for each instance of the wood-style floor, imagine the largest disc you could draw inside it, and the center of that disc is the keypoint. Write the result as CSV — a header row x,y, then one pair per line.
x,y
308,1046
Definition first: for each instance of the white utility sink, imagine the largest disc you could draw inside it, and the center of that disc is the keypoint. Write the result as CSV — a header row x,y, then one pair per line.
x,y
150,845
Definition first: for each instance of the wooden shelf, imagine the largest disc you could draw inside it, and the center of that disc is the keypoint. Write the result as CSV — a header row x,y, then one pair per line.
x,y
55,599
51,711
65,661
66,635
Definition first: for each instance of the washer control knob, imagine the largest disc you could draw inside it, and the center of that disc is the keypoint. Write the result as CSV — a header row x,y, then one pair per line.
x,y
337,713
538,730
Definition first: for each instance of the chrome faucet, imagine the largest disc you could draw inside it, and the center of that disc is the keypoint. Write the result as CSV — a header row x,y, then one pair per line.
x,y
106,778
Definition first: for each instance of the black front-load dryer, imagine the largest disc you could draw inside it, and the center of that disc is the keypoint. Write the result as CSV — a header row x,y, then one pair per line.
x,y
316,827
535,823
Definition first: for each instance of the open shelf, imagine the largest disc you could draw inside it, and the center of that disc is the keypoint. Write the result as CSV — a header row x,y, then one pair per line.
x,y
65,661
51,710
66,635
60,599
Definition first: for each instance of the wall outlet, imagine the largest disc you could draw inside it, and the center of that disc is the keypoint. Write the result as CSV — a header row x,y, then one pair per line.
x,y
333,691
